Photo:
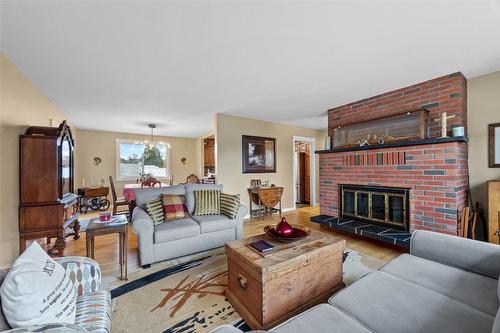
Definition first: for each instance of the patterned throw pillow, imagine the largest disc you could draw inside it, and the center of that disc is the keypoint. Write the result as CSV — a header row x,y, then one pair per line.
x,y
174,206
207,202
155,209
229,204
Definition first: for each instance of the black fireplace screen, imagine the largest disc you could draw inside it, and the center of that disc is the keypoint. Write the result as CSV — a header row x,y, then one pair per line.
x,y
386,206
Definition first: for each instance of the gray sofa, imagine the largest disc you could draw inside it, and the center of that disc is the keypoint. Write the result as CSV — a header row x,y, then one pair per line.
x,y
181,237
446,284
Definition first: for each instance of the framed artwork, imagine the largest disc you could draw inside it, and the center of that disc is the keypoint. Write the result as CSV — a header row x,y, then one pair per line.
x,y
258,154
494,145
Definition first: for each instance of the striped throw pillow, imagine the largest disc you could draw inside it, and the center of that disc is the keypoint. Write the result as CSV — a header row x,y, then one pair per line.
x,y
206,202
229,204
155,209
174,206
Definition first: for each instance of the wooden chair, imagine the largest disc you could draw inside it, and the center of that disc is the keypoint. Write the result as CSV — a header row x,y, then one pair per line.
x,y
117,201
192,179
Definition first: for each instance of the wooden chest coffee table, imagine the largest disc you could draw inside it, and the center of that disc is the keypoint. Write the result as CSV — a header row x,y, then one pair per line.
x,y
266,290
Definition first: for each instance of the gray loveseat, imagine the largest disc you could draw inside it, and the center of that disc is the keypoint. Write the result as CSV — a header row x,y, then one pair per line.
x,y
181,237
446,284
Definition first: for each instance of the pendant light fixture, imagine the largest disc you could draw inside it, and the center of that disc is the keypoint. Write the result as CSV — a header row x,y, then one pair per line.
x,y
151,144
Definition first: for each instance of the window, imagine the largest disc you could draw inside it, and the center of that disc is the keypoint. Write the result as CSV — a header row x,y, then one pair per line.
x,y
137,158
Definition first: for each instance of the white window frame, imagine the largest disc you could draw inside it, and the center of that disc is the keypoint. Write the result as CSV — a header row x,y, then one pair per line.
x,y
119,177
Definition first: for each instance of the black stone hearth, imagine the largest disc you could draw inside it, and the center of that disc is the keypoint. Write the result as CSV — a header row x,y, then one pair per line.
x,y
384,234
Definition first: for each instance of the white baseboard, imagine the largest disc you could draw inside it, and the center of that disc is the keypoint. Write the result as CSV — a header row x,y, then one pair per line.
x,y
284,210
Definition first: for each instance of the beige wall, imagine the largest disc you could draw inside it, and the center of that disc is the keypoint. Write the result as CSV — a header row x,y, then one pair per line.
x,y
101,144
483,99
22,105
228,134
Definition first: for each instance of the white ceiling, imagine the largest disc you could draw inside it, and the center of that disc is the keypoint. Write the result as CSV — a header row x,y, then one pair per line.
x,y
116,65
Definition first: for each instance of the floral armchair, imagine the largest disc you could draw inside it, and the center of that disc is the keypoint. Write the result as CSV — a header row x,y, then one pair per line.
x,y
93,305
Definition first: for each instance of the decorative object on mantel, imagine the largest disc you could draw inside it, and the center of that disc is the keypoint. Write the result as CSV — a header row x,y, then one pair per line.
x,y
494,145
258,154
400,127
458,131
444,123
364,143
328,143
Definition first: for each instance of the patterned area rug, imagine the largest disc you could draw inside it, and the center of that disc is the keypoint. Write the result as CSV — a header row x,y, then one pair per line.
x,y
187,294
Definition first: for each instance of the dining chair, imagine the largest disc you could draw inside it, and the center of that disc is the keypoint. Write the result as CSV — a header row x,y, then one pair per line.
x,y
117,201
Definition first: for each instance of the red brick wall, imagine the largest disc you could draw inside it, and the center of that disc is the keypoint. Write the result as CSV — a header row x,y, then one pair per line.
x,y
435,173
446,93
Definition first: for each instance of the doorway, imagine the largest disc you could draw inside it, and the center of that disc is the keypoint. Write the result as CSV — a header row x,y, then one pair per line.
x,y
303,160
209,160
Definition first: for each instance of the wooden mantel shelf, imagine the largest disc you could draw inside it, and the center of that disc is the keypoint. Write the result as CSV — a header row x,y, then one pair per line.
x,y
398,144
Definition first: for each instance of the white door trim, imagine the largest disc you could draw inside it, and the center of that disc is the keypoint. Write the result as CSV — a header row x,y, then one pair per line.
x,y
312,165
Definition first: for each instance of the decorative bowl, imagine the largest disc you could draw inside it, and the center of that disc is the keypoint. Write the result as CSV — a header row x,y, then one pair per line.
x,y
105,216
296,235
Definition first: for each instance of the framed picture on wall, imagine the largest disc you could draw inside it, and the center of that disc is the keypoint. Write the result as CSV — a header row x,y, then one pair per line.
x,y
494,145
258,154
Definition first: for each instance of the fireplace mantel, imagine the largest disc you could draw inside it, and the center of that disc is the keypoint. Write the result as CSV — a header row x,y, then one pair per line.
x,y
396,145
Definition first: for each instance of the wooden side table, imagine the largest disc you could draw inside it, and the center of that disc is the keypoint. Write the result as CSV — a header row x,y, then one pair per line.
x,y
266,198
117,225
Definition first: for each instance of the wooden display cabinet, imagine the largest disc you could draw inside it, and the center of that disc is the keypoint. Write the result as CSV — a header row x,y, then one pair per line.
x,y
47,204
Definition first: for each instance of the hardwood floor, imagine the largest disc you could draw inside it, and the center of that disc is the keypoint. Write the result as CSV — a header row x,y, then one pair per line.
x,y
106,247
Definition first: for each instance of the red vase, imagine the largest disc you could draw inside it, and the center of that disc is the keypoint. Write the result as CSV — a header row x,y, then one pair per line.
x,y
283,229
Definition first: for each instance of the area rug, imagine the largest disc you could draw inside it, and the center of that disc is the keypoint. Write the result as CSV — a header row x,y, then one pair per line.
x,y
187,295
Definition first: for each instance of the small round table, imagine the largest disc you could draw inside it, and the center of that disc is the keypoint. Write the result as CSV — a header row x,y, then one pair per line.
x,y
117,225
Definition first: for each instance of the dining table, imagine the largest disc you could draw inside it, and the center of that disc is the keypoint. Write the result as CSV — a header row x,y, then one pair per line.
x,y
129,193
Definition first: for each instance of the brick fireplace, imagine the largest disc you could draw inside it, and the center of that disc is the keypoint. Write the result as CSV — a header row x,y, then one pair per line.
x,y
434,170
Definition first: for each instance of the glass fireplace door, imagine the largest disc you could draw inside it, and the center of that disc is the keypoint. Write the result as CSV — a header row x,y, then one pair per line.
x,y
380,205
